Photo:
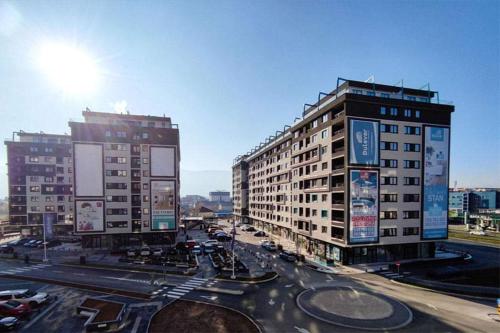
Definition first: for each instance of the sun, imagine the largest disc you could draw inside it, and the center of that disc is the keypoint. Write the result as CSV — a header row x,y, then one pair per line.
x,y
70,68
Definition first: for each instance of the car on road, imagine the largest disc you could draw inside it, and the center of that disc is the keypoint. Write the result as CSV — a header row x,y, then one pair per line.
x,y
8,323
25,296
19,242
209,248
132,252
210,242
191,243
30,242
250,229
270,246
158,252
5,248
477,232
260,234
197,250
145,251
35,244
170,251
14,308
288,256
51,243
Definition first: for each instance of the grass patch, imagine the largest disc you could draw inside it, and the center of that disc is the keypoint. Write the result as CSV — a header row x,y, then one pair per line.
x,y
489,239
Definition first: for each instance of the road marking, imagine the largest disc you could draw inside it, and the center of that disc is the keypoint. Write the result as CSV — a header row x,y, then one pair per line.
x,y
432,306
289,285
283,306
184,291
190,284
200,279
136,324
271,302
212,298
301,330
175,293
172,296
79,274
41,314
185,288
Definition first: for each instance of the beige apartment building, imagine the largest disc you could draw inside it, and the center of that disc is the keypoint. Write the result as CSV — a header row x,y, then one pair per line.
x,y
361,177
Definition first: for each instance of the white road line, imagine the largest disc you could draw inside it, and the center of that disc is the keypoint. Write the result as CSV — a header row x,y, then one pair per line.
x,y
185,288
41,314
185,291
199,279
172,296
175,293
136,324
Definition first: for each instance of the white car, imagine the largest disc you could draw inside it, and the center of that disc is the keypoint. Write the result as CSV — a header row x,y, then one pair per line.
x,y
158,252
24,296
132,252
244,227
478,233
145,252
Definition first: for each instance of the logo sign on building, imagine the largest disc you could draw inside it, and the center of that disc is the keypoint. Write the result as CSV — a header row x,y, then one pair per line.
x,y
435,195
49,219
162,205
364,143
89,215
363,206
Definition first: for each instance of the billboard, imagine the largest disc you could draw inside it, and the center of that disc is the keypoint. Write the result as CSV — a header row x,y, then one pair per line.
x,y
435,183
163,205
363,206
162,161
88,170
89,215
49,219
364,142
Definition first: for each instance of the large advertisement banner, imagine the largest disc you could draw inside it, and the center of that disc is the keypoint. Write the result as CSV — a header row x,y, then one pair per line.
x,y
163,205
89,215
364,143
363,206
49,219
435,197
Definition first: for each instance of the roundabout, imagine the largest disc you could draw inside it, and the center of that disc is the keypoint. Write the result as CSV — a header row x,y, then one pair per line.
x,y
354,308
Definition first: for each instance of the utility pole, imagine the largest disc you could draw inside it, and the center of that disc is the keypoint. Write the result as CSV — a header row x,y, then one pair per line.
x,y
44,242
232,247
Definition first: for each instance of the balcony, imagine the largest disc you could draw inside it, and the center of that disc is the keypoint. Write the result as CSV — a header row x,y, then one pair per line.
x,y
339,152
339,117
338,135
338,170
338,204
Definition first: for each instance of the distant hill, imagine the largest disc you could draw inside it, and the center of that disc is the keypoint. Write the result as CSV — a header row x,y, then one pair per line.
x,y
202,182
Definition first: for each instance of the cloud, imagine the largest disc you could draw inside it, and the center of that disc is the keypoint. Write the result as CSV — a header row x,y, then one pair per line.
x,y
120,106
10,19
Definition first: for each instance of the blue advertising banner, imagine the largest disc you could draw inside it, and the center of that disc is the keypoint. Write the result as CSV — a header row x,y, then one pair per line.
x,y
435,196
48,224
363,206
364,145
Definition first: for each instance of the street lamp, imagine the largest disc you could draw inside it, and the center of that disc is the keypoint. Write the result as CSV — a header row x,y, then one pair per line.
x,y
45,259
232,245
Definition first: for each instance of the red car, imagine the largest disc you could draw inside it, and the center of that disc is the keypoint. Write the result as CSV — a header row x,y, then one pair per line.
x,y
190,243
14,308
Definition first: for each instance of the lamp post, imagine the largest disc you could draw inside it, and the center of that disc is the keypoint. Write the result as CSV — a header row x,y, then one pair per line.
x,y
44,239
232,246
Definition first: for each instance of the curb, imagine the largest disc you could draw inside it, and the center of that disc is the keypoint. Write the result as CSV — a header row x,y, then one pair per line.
x,y
222,291
249,282
112,268
406,323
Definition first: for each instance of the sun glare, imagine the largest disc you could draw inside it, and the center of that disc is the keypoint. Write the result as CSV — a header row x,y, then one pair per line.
x,y
69,68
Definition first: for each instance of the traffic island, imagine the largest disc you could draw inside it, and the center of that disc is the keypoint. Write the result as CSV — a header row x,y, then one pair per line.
x,y
355,308
183,316
102,314
266,277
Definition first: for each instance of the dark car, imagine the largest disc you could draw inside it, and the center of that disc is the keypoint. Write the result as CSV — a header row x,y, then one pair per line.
x,y
288,256
19,242
53,243
6,248
36,243
14,308
260,234
249,229
30,242
170,251
224,238
8,323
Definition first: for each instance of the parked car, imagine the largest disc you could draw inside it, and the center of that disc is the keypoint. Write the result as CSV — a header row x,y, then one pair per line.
x,y
8,323
157,252
191,243
6,248
269,245
30,242
132,253
260,234
53,243
288,256
170,251
19,242
209,248
197,250
210,242
477,232
224,238
145,251
14,308
35,244
250,229
25,296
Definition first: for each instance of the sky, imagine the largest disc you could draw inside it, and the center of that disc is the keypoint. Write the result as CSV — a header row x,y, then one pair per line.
x,y
231,73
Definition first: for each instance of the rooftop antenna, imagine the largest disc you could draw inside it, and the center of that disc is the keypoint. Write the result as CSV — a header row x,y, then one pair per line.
x,y
370,79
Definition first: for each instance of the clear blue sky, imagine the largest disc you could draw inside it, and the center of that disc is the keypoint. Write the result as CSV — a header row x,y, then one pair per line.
x,y
219,68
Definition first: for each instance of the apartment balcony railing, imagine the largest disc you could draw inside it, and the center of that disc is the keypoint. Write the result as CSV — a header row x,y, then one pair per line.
x,y
338,170
337,153
339,187
339,134
338,204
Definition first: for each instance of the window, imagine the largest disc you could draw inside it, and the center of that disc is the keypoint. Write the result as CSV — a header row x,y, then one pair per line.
x,y
412,130
410,231
324,166
324,214
121,134
116,224
145,186
411,214
323,150
388,180
48,199
315,123
145,211
145,160
145,173
411,197
50,209
145,198
407,113
389,232
415,147
145,135
385,95
357,91
324,197
388,163
35,208
33,159
116,198
107,133
412,181
34,188
324,133
33,149
389,215
116,186
370,93
324,230
116,211
417,114
324,118
314,138
35,199
385,128
411,98
385,145
389,197
411,164
383,110
394,111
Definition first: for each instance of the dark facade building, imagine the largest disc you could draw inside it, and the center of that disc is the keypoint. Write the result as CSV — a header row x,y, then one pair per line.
x,y
40,182
361,177
126,179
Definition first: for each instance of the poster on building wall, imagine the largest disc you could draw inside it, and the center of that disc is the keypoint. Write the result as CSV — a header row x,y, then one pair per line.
x,y
364,142
363,206
163,205
435,184
89,215
49,219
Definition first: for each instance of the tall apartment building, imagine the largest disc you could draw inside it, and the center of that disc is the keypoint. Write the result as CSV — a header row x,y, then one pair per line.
x,y
40,183
362,176
126,179
240,190
220,196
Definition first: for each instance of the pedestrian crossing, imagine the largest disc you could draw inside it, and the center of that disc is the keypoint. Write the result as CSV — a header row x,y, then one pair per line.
x,y
179,290
17,270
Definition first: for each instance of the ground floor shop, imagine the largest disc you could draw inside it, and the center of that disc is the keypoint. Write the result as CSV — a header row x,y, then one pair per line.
x,y
120,241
